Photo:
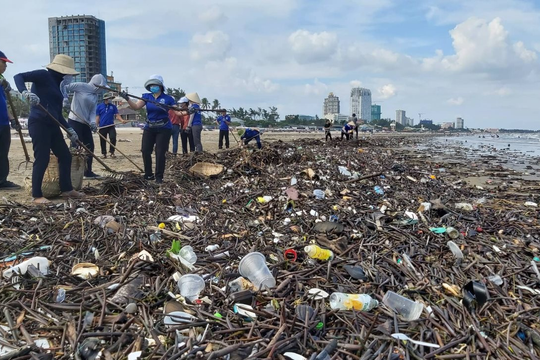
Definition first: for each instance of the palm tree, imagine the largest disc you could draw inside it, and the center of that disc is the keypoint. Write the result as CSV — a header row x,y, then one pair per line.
x,y
205,104
215,104
259,112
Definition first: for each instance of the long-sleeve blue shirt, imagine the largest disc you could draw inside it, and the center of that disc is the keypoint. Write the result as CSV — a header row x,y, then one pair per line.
x,y
46,85
4,117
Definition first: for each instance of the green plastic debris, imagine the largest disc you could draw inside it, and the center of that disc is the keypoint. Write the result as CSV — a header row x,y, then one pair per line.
x,y
319,326
218,315
439,230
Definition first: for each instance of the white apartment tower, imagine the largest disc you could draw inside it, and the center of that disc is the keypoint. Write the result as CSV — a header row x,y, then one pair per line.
x,y
331,105
460,123
401,118
361,103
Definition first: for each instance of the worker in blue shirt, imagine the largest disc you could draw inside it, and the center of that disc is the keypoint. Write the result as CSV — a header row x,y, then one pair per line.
x,y
44,131
106,112
223,121
248,134
158,129
6,118
347,130
195,120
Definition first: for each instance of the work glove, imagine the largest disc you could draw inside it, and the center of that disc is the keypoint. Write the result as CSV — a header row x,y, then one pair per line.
x,y
15,125
66,104
192,110
6,86
124,95
93,127
32,98
73,135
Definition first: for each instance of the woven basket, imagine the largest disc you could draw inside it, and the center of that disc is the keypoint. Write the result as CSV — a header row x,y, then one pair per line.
x,y
206,169
51,180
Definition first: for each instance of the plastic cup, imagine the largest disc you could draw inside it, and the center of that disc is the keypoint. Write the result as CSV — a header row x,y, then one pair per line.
x,y
188,254
409,310
190,286
253,266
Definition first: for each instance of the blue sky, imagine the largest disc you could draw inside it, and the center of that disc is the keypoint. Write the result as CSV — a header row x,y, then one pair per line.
x,y
475,59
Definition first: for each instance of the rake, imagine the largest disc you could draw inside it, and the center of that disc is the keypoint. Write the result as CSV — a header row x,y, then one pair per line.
x,y
112,173
104,138
14,113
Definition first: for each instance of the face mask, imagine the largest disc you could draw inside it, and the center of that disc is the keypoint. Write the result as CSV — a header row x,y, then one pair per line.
x,y
155,89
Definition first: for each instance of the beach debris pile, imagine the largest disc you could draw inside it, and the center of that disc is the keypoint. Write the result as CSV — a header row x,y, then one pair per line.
x,y
301,250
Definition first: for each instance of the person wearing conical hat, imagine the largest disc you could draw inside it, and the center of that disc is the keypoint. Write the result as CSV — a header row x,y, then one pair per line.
x,y
44,131
195,120
347,130
158,129
106,112
248,134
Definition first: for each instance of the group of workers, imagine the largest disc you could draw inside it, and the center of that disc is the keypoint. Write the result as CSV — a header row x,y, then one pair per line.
x,y
48,97
347,131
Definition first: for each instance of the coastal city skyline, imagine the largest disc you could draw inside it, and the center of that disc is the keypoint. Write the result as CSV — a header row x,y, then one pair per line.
x,y
473,60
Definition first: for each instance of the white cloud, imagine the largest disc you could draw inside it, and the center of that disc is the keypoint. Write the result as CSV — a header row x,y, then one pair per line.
x,y
387,91
312,47
482,46
213,15
317,88
356,83
455,101
210,46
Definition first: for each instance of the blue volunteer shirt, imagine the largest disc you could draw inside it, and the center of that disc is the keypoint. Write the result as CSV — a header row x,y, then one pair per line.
x,y
347,128
157,113
197,118
250,133
222,122
4,117
106,114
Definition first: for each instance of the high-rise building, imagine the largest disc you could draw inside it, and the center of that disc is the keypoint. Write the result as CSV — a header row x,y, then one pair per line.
x,y
83,38
375,112
331,105
401,118
460,123
361,103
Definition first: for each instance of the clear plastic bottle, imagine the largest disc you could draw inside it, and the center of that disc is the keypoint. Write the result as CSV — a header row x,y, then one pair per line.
x,y
359,302
316,252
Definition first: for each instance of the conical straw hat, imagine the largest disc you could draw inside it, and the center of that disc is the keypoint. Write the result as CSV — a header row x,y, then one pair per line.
x,y
194,97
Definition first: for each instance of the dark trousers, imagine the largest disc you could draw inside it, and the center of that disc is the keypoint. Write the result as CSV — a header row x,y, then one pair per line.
x,y
85,136
47,137
257,139
159,138
343,133
5,142
328,135
175,134
185,137
356,131
223,134
111,131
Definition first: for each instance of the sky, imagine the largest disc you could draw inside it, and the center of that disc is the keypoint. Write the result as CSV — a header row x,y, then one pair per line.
x,y
476,59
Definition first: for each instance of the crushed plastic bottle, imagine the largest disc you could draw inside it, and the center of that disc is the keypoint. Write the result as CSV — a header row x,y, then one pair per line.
x,y
316,252
360,302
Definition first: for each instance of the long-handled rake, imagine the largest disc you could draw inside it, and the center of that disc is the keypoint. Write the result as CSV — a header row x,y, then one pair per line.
x,y
14,113
104,138
113,174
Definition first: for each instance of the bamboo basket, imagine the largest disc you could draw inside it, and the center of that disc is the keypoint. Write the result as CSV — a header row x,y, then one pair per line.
x,y
51,180
206,169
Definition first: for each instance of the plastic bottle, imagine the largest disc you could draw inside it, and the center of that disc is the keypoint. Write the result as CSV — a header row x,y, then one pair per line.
x,y
316,252
360,302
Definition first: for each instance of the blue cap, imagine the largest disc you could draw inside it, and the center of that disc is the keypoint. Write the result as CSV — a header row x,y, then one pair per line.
x,y
4,57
